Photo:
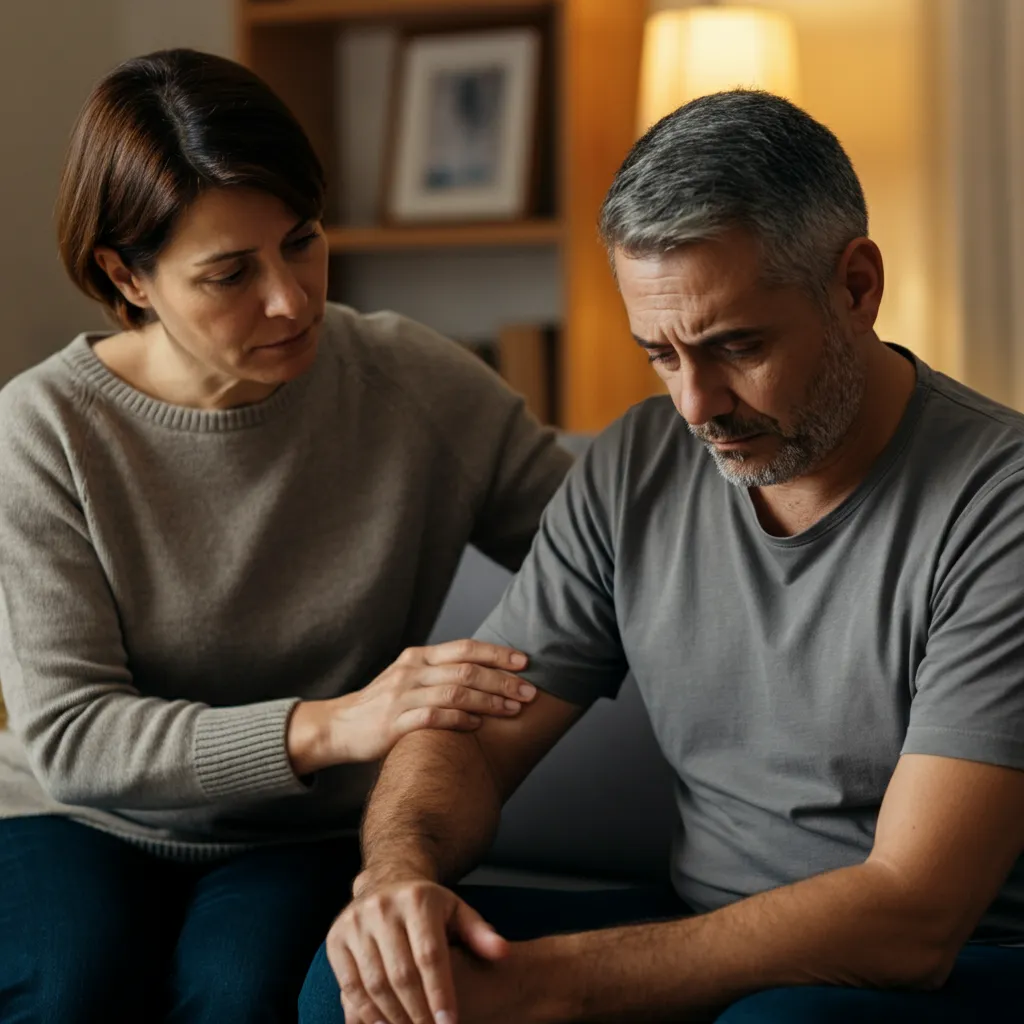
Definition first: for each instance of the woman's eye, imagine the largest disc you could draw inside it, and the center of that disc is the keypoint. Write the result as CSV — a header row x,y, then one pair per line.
x,y
231,279
299,244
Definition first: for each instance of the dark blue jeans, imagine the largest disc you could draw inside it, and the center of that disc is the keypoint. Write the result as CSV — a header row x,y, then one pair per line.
x,y
986,987
94,929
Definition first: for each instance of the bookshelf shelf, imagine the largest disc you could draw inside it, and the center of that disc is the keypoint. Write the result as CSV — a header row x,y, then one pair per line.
x,y
297,12
397,239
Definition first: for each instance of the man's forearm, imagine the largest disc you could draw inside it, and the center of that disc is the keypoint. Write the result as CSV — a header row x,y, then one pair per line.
x,y
433,813
853,927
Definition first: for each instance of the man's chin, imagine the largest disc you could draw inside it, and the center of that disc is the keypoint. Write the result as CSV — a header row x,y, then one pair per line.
x,y
743,469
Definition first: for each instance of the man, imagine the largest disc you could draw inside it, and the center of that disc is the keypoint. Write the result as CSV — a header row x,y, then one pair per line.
x,y
810,555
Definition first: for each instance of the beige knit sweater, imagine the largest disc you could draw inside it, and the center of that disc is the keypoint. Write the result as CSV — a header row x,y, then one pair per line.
x,y
173,580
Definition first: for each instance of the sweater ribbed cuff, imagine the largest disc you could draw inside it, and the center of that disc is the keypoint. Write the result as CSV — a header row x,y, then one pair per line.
x,y
242,751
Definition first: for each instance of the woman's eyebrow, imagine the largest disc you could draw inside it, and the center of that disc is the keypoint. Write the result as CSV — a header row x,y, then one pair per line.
x,y
235,253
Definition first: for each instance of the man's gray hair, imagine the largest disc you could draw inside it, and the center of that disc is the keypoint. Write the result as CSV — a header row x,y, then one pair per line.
x,y
743,159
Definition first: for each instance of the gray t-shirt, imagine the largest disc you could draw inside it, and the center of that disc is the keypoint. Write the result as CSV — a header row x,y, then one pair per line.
x,y
785,676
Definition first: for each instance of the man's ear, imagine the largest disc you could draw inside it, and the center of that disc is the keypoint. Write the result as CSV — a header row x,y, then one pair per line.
x,y
861,276
128,284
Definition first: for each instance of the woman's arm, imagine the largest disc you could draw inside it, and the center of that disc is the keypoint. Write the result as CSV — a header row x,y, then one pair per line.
x,y
94,739
528,467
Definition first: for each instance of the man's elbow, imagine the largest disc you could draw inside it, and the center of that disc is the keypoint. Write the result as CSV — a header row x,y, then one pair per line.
x,y
916,962
924,968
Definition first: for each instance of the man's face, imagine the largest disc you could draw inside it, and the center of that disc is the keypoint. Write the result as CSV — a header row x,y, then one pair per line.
x,y
761,375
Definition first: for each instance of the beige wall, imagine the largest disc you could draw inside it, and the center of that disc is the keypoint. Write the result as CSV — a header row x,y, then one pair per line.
x,y
51,53
868,70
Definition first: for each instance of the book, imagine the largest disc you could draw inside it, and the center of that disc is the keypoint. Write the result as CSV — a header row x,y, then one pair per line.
x,y
528,359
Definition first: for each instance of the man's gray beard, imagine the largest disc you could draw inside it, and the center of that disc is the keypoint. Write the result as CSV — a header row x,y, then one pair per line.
x,y
833,401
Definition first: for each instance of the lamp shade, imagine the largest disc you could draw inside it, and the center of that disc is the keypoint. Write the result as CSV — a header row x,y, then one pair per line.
x,y
698,50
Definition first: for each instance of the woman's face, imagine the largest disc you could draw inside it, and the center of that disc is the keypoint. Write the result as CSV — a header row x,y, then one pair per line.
x,y
240,288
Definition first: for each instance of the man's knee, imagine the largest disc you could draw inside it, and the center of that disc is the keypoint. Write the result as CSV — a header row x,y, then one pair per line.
x,y
320,1000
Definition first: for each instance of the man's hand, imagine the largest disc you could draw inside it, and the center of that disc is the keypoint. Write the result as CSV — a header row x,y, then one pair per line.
x,y
514,989
390,951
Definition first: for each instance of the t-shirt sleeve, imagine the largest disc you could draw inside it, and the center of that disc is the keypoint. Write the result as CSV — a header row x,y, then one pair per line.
x,y
560,609
969,687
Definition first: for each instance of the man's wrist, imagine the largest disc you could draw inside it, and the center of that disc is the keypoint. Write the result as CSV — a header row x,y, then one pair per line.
x,y
380,872
550,970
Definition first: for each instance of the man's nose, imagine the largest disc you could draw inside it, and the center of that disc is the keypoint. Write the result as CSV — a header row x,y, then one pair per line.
x,y
700,395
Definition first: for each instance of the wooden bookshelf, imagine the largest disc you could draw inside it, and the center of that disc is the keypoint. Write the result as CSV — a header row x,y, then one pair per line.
x,y
295,12
458,236
595,50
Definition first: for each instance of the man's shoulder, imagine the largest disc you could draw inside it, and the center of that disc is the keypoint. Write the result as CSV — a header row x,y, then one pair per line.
x,y
966,440
955,403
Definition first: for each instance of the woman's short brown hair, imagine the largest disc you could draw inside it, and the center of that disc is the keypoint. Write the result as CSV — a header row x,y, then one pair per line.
x,y
157,132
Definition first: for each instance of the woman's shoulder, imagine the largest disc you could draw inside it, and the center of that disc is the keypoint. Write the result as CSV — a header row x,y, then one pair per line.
x,y
41,406
48,384
386,336
393,351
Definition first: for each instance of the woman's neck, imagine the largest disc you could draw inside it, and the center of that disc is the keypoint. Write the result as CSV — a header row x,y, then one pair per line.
x,y
154,363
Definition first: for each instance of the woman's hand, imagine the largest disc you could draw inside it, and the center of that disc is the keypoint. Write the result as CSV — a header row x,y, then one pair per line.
x,y
449,686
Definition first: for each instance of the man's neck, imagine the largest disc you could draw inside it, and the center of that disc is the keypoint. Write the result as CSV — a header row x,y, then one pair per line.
x,y
790,508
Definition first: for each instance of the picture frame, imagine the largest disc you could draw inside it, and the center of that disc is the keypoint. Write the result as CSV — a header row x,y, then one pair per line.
x,y
464,127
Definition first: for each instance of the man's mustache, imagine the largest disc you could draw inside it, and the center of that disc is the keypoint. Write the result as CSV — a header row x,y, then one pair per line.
x,y
722,429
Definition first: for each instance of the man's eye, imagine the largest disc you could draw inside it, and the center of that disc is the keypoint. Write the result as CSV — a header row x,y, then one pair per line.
x,y
741,348
662,356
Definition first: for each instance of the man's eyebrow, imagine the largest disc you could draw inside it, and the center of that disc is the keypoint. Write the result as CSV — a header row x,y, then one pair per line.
x,y
715,338
235,253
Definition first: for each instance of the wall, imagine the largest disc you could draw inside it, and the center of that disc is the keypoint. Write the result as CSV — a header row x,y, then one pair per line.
x,y
868,70
51,54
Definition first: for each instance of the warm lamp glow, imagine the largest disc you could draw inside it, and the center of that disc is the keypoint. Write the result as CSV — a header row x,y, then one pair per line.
x,y
697,50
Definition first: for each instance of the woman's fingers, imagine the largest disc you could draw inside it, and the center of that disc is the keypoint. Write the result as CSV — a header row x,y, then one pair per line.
x,y
476,651
476,677
436,718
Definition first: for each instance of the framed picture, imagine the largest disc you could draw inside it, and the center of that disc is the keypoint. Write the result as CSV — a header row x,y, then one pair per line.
x,y
465,127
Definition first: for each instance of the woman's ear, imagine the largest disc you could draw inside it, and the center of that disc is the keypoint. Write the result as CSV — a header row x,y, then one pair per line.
x,y
127,283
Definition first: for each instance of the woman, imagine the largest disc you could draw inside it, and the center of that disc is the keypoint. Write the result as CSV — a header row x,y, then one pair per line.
x,y
224,530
